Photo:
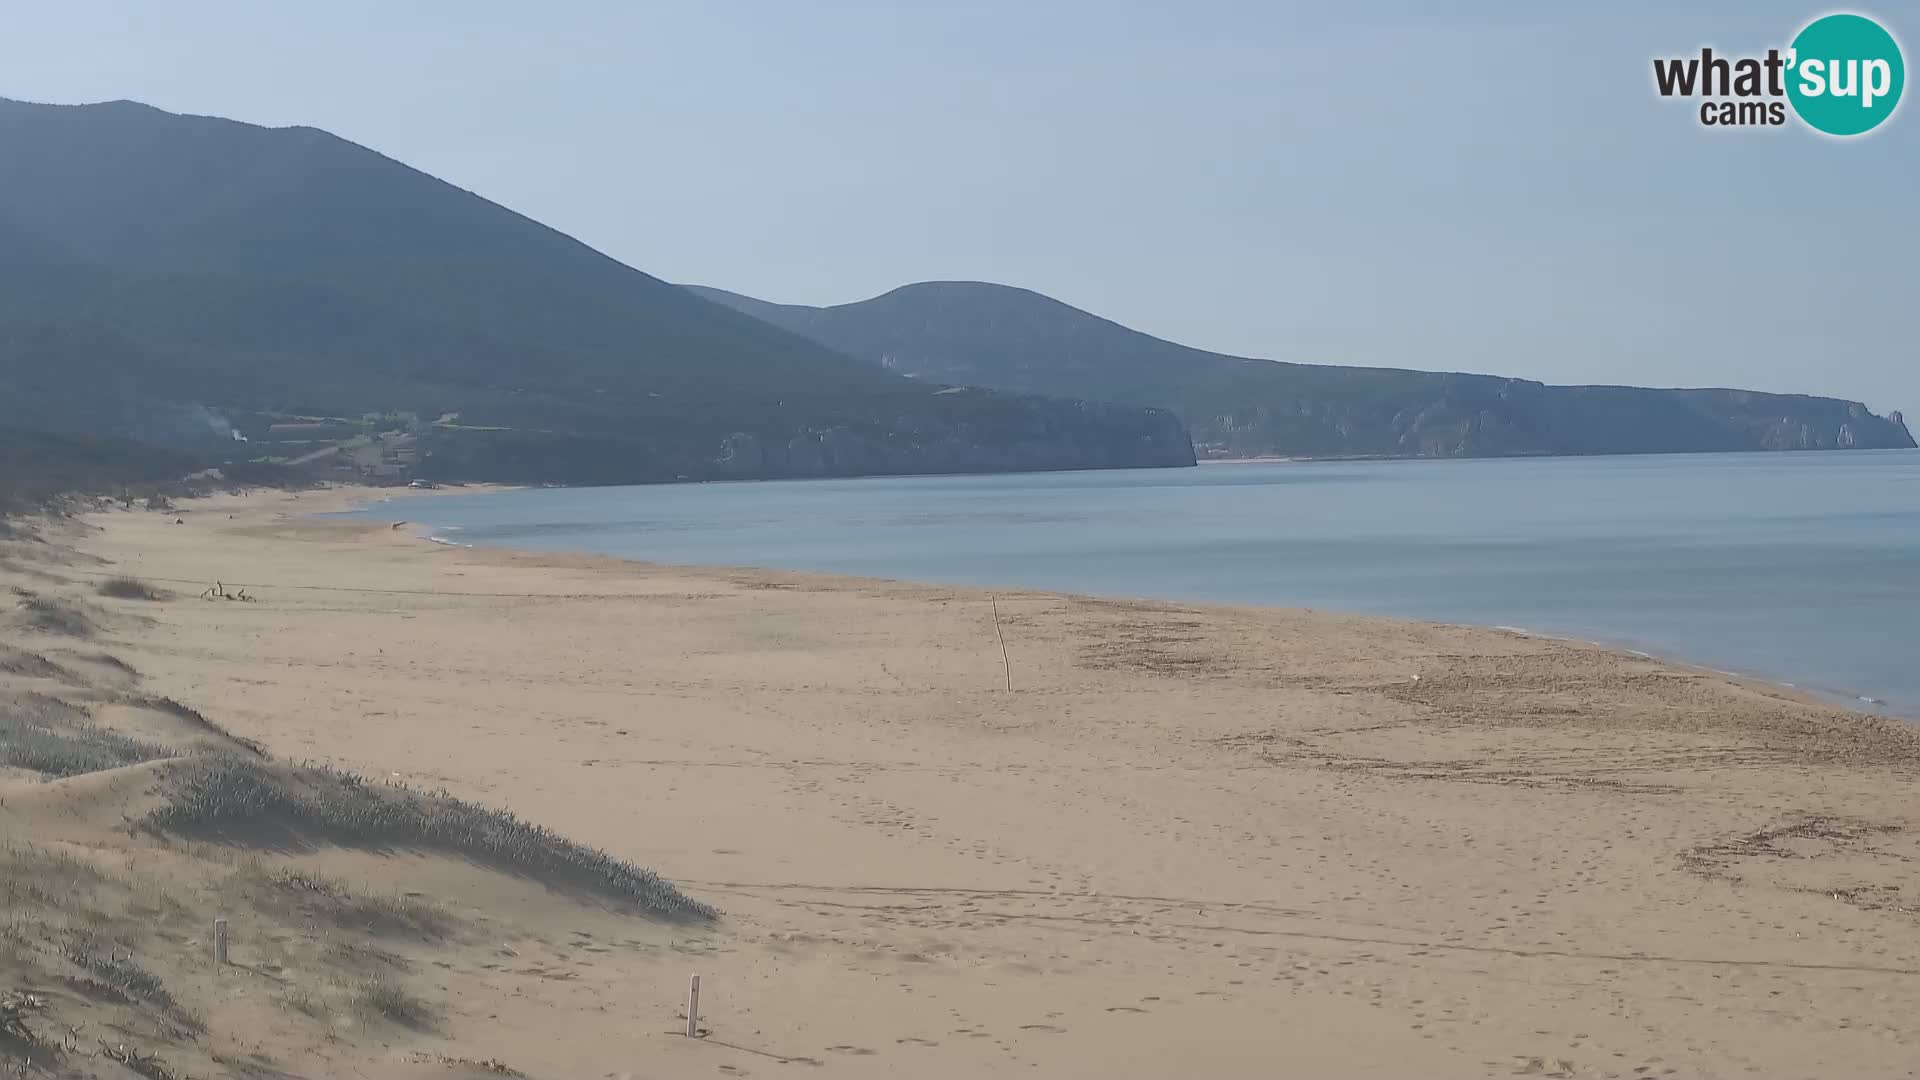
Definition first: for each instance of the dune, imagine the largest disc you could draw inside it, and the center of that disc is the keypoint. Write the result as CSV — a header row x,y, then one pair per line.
x,y
1189,840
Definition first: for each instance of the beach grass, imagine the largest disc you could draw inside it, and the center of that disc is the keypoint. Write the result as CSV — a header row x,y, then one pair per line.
x,y
232,791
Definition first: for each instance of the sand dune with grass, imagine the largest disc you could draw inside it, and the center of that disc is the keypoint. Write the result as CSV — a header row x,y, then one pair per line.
x,y
474,811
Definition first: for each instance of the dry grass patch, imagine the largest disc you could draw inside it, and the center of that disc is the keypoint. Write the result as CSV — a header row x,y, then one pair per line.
x,y
90,937
386,999
194,719
230,792
34,666
126,587
318,899
115,968
304,1002
49,736
52,615
363,956
137,1062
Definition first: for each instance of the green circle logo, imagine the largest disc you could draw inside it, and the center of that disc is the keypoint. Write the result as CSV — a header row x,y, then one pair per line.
x,y
1845,74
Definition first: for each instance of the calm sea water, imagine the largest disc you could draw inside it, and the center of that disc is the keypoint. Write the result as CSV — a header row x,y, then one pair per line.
x,y
1804,568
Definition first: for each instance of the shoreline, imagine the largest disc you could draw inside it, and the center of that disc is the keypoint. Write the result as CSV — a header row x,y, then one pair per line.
x,y
1831,696
1188,838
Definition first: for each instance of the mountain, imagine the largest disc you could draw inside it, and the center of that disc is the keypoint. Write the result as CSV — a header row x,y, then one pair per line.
x,y
1020,341
190,280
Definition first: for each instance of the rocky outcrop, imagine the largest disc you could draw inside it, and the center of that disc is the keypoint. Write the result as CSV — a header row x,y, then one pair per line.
x,y
1479,415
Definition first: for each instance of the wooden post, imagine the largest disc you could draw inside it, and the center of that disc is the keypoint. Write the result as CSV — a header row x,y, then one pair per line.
x,y
1002,638
693,1007
220,942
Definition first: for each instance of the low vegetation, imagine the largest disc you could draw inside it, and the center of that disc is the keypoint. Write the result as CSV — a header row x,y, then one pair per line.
x,y
305,1002
386,999
71,924
32,665
45,877
106,910
41,472
140,1064
318,899
115,970
468,1065
230,790
193,718
53,615
19,1035
44,735
131,588
36,468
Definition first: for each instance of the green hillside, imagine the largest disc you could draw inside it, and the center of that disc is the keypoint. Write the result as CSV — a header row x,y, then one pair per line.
x,y
177,278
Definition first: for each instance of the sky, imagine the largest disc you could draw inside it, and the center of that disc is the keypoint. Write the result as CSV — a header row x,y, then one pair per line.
x,y
1481,187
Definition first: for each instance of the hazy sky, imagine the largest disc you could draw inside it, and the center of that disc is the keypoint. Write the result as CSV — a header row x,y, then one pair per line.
x,y
1489,187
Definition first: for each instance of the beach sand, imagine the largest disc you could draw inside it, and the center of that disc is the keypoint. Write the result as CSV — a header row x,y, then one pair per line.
x,y
1189,840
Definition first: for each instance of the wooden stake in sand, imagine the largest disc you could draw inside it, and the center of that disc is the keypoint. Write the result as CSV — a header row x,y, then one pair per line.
x,y
1004,662
693,1007
220,942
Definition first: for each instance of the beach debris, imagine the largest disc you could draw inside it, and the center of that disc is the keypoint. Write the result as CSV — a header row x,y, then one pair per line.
x,y
489,1065
148,1065
218,591
15,1007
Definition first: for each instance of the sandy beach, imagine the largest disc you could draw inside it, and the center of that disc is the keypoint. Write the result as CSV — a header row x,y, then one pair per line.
x,y
1187,840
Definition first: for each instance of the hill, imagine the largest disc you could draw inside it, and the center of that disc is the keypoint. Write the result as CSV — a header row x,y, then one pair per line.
x,y
193,281
1020,341
35,467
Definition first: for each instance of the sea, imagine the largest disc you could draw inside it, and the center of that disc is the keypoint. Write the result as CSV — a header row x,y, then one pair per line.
x,y
1800,568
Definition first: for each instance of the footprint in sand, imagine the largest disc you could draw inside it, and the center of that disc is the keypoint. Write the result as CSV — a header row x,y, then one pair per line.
x,y
911,1041
1125,1008
857,1051
1049,1028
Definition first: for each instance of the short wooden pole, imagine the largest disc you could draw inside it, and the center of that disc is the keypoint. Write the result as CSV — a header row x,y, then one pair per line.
x,y
693,1007
220,942
1002,638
